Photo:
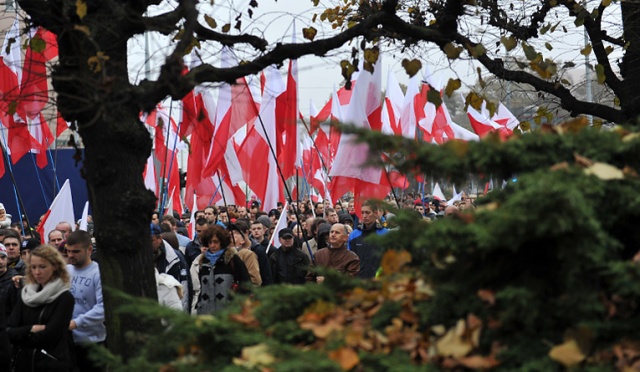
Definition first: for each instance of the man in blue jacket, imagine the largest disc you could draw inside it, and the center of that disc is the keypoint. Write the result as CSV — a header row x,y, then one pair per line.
x,y
370,254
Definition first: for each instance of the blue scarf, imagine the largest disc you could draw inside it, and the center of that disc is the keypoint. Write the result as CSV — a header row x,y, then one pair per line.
x,y
213,257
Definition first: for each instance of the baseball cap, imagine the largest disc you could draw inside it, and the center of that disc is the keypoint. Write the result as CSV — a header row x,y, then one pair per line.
x,y
30,244
285,233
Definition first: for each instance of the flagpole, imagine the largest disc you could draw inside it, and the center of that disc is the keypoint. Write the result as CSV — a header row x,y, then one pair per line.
x,y
35,167
16,192
286,189
164,166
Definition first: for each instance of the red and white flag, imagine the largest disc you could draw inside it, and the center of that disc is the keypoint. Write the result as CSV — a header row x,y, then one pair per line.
x,y
282,223
61,210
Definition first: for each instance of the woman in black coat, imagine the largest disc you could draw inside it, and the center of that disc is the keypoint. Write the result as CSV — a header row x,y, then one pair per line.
x,y
38,327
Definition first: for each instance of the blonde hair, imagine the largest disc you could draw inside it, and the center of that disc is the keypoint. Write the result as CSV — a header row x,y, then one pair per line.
x,y
51,255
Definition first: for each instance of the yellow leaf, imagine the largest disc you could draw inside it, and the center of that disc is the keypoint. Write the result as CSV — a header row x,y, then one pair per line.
x,y
210,21
478,50
452,51
567,354
587,50
606,3
604,171
453,343
452,86
531,53
371,55
600,74
346,357
548,46
411,66
509,43
608,49
81,8
255,356
393,261
309,33
226,28
474,100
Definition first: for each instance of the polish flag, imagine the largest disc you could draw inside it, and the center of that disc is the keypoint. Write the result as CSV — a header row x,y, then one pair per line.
x,y
149,176
408,119
34,90
437,193
61,210
40,132
236,108
191,226
259,165
201,138
287,112
392,107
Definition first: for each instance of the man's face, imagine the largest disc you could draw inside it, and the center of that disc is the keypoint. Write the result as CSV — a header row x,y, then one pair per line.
x,y
224,217
257,231
242,212
332,217
25,254
351,208
368,216
286,241
420,208
55,238
253,211
13,248
210,215
154,219
65,228
319,209
200,229
337,235
156,242
78,255
279,208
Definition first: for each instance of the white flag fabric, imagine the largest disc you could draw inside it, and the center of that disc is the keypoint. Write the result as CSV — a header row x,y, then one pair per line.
x,y
282,223
437,192
84,223
61,210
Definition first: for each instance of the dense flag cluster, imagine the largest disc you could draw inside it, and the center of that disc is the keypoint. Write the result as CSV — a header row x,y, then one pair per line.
x,y
24,93
245,140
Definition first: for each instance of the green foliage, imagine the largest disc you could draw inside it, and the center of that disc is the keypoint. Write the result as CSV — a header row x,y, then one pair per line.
x,y
544,260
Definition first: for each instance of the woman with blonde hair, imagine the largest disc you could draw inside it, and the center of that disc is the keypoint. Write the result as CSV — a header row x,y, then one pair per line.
x,y
38,327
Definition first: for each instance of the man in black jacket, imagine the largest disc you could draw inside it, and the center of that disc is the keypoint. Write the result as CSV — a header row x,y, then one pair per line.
x,y
288,264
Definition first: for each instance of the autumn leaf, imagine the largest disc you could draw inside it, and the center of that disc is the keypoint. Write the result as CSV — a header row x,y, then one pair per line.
x,y
474,100
411,66
226,28
605,172
254,357
453,343
393,261
347,70
433,96
371,55
210,21
586,50
452,86
568,354
509,43
81,8
600,74
309,33
477,50
37,44
452,51
96,62
531,53
346,357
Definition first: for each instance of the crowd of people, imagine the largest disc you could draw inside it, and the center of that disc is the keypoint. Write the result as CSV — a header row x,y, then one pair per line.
x,y
51,307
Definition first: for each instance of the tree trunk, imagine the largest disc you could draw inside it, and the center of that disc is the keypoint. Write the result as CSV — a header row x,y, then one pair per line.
x,y
116,146
630,66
